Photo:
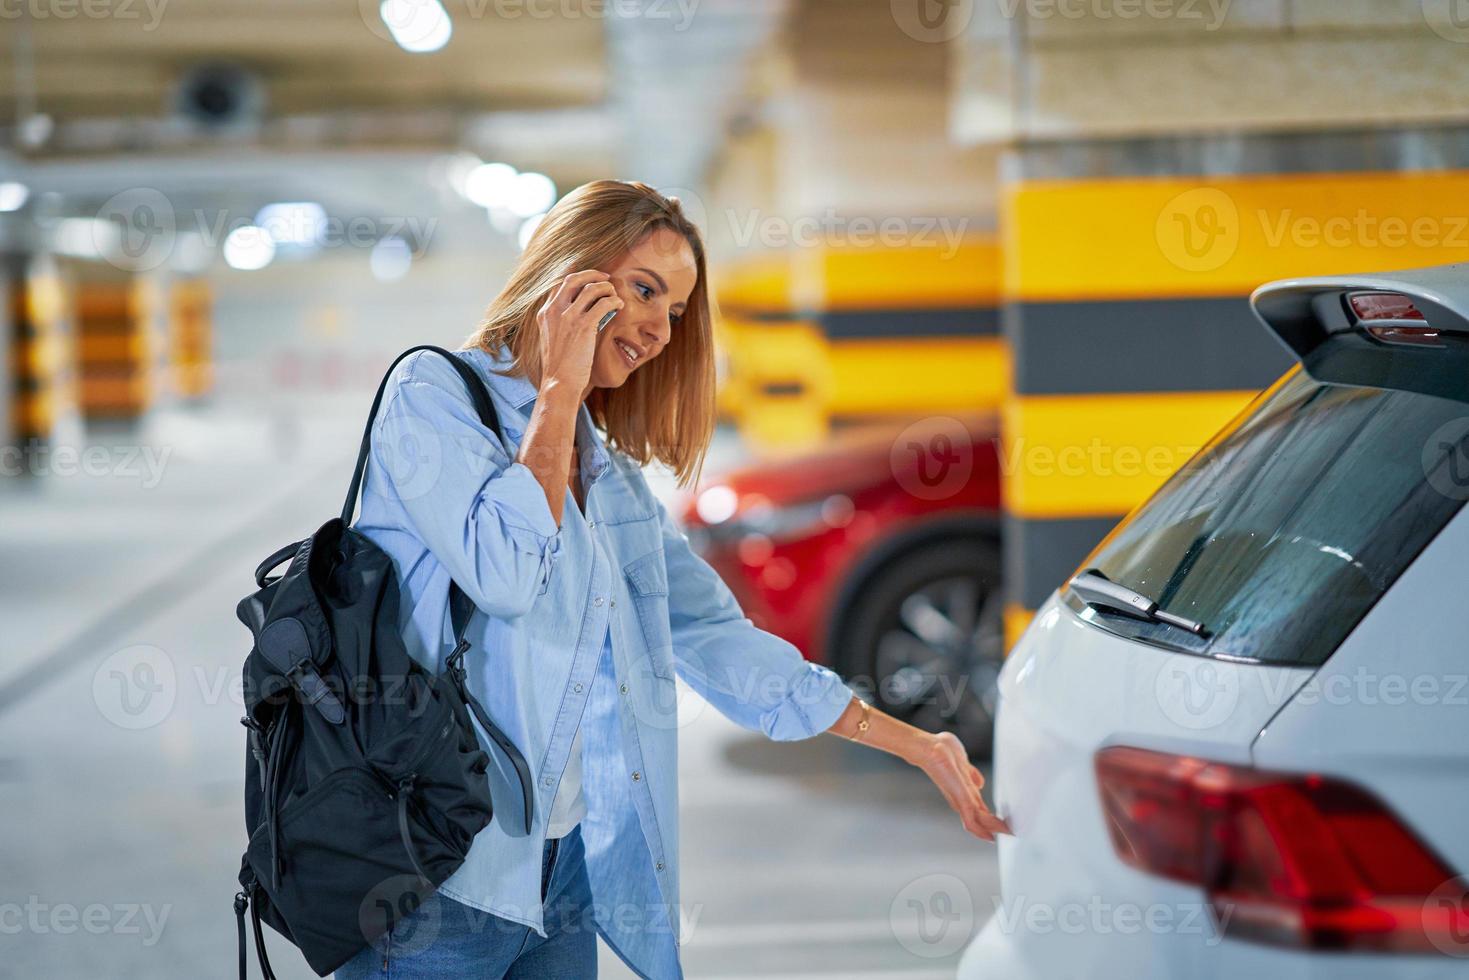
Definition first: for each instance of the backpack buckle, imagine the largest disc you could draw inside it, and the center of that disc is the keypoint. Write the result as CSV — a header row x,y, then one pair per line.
x,y
304,677
455,660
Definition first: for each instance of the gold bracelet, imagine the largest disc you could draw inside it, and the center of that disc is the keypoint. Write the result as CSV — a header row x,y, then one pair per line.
x,y
863,724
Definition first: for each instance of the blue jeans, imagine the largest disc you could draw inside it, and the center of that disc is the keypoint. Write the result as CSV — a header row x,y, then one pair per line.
x,y
445,938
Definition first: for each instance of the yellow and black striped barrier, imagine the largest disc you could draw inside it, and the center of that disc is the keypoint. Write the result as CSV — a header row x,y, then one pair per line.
x,y
116,350
191,339
37,339
841,335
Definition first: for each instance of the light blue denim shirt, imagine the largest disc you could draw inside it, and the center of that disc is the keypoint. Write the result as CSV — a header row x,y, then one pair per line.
x,y
445,499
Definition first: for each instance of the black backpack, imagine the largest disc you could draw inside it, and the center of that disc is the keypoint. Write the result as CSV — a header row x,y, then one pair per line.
x,y
365,782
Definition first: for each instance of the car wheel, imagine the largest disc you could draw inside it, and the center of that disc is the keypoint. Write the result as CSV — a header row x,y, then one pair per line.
x,y
925,640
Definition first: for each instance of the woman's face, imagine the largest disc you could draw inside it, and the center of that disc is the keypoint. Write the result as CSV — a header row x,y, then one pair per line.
x,y
654,280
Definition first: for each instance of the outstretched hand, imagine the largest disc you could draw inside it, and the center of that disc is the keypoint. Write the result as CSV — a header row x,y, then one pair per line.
x,y
947,764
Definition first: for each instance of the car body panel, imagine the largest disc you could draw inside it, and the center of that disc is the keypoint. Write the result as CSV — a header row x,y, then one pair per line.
x,y
796,584
1360,717
1070,909
1070,688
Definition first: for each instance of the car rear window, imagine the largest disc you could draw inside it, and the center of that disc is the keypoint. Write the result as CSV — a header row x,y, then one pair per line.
x,y
1284,531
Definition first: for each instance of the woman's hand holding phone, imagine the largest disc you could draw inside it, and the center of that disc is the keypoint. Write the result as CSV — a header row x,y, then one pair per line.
x,y
569,321
568,326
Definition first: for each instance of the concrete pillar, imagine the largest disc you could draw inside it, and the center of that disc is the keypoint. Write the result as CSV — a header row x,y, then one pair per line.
x,y
122,348
864,280
37,384
190,338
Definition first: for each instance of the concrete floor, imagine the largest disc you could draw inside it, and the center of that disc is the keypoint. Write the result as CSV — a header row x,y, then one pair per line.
x,y
121,755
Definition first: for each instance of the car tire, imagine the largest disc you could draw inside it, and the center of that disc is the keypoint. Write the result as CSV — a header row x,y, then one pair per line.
x,y
924,640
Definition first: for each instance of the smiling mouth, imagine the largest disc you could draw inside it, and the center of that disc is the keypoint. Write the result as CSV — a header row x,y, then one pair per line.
x,y
628,354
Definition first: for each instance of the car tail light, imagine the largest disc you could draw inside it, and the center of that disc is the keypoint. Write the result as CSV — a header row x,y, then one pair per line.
x,y
1384,306
1393,318
1297,860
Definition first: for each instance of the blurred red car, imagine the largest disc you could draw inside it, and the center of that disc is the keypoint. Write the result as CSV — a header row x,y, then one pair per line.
x,y
878,556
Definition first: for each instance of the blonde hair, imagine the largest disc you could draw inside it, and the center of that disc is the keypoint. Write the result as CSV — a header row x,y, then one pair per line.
x,y
665,410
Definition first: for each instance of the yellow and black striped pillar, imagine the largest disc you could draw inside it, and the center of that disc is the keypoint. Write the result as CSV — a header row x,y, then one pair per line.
x,y
38,377
1126,305
118,349
913,330
846,335
190,337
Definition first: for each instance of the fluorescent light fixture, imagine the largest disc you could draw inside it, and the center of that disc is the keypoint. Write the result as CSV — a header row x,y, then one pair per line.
x,y
531,194
13,195
88,238
249,248
491,185
418,26
300,223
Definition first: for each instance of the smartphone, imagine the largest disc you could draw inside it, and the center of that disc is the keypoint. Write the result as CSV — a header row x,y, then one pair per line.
x,y
606,320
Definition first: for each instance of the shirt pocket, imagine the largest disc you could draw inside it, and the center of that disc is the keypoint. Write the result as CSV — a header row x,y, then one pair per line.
x,y
647,578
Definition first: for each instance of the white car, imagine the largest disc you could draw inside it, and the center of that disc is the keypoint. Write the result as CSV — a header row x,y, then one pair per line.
x,y
1236,743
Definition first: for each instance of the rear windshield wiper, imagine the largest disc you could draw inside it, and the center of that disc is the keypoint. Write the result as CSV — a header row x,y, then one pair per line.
x,y
1096,589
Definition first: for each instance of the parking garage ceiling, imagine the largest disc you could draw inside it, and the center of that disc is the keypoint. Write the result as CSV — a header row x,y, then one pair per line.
x,y
226,95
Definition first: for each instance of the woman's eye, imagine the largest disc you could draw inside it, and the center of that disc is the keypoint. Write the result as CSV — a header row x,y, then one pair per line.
x,y
675,318
645,291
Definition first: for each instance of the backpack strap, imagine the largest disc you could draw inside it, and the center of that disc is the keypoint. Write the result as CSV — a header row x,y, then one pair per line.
x,y
514,772
477,394
460,605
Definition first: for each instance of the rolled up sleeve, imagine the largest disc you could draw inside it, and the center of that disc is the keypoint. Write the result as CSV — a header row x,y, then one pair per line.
x,y
756,679
482,515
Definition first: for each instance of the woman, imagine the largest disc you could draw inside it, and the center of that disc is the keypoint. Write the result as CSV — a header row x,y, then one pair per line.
x,y
589,600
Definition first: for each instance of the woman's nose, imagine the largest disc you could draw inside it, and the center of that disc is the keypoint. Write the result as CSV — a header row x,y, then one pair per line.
x,y
657,330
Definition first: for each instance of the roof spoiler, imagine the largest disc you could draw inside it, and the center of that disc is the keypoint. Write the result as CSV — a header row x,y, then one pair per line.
x,y
1403,330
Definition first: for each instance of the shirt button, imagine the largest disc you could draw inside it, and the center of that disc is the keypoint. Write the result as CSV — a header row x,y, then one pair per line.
x,y
591,523
636,775
546,781
660,865
597,601
623,688
577,688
